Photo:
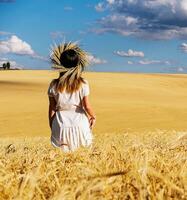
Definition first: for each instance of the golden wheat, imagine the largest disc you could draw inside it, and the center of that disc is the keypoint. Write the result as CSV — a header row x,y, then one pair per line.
x,y
149,165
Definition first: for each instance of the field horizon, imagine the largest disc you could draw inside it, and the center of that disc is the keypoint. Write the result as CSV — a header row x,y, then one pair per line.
x,y
122,101
142,101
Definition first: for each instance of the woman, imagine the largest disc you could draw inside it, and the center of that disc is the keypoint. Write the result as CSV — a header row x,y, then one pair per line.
x,y
71,117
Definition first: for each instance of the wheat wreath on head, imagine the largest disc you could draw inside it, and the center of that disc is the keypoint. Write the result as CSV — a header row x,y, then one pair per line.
x,y
72,72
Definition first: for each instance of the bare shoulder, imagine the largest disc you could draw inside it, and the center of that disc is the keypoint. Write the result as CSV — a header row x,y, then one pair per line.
x,y
85,84
85,81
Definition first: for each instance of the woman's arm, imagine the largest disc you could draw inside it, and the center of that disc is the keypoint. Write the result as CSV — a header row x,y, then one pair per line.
x,y
51,113
89,110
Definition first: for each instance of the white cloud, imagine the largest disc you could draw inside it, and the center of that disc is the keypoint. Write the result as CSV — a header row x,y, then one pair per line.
x,y
148,62
16,45
125,21
183,5
102,6
36,56
110,1
148,19
167,62
130,53
99,7
130,62
94,60
180,69
184,47
120,24
151,62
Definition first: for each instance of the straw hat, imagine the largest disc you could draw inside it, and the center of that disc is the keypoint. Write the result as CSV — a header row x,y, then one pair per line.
x,y
74,72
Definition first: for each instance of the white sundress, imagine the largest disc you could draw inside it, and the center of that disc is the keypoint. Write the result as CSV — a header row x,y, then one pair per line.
x,y
70,125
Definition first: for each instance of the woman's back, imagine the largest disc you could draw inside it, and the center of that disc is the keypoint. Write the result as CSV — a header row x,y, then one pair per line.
x,y
70,124
65,98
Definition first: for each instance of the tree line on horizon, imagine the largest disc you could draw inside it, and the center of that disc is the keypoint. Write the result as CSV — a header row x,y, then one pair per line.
x,y
6,66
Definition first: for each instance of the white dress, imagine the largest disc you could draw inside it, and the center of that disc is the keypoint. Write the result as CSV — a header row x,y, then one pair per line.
x,y
70,125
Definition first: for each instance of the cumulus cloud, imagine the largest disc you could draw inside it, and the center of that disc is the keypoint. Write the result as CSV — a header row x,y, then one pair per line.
x,y
110,1
17,46
130,53
94,60
150,19
99,7
184,47
102,6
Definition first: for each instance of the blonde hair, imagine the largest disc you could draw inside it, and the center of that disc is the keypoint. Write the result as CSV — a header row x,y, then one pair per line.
x,y
66,86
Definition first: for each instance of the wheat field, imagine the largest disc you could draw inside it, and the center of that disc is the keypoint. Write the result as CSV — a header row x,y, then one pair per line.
x,y
118,166
140,139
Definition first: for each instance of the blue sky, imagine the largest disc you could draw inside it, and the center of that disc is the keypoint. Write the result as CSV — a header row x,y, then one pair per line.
x,y
120,35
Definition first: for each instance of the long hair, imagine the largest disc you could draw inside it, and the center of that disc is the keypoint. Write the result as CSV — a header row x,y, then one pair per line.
x,y
70,61
66,86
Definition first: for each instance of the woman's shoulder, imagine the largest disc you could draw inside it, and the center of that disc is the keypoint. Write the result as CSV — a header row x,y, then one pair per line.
x,y
52,88
85,88
85,81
